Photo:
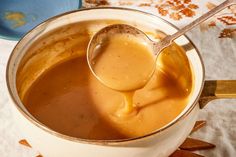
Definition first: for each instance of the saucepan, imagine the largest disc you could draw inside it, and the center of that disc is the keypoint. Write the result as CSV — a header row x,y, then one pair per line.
x,y
159,143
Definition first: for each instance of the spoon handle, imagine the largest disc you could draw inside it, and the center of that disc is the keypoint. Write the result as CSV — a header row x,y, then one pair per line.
x,y
168,39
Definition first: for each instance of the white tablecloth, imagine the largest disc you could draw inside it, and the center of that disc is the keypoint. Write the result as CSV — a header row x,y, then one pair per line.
x,y
219,55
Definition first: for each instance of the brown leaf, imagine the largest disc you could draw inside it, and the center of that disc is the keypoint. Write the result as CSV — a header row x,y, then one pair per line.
x,y
39,156
25,143
212,24
177,7
177,2
188,12
198,125
187,1
227,33
103,2
170,3
175,16
210,5
227,20
194,144
162,11
184,153
193,6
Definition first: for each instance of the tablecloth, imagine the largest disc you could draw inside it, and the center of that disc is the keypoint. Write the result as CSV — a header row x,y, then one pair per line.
x,y
216,41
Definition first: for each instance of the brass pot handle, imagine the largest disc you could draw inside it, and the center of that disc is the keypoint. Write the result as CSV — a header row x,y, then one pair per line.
x,y
217,89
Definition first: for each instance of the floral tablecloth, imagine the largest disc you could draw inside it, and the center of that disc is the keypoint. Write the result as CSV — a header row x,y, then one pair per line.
x,y
216,40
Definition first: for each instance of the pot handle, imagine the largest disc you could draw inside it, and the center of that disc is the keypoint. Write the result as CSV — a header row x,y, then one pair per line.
x,y
217,89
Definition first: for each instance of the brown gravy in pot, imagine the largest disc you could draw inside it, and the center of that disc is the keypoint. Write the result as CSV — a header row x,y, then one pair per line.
x,y
69,99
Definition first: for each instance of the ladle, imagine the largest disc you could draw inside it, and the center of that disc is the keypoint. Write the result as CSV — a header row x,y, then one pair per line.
x,y
108,32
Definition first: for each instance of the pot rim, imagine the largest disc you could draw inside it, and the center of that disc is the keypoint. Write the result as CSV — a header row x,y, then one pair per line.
x,y
91,141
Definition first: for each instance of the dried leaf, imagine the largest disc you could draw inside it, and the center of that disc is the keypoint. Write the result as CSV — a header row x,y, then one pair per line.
x,y
210,5
178,7
188,12
103,2
177,2
25,143
198,125
175,16
187,1
184,153
212,24
227,20
194,144
227,33
162,11
193,6
170,3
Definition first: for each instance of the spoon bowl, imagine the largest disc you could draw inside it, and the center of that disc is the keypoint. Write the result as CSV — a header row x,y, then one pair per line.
x,y
98,45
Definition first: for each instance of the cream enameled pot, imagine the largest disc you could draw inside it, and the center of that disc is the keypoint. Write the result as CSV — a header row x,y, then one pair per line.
x,y
160,143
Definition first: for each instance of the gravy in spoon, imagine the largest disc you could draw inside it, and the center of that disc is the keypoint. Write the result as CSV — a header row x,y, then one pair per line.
x,y
123,63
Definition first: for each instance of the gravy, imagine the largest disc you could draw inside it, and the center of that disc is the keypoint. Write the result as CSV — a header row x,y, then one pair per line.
x,y
123,63
69,99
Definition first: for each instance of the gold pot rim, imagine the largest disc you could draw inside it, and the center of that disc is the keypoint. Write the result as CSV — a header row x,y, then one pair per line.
x,y
91,141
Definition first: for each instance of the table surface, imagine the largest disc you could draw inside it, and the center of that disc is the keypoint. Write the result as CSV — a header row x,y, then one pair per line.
x,y
219,56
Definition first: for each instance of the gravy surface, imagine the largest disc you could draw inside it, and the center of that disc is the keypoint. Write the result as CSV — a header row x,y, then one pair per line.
x,y
69,99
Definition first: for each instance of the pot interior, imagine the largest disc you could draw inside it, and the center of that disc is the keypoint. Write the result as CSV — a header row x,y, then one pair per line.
x,y
29,60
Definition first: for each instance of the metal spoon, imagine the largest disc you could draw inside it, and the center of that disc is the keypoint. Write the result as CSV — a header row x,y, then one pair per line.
x,y
101,36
